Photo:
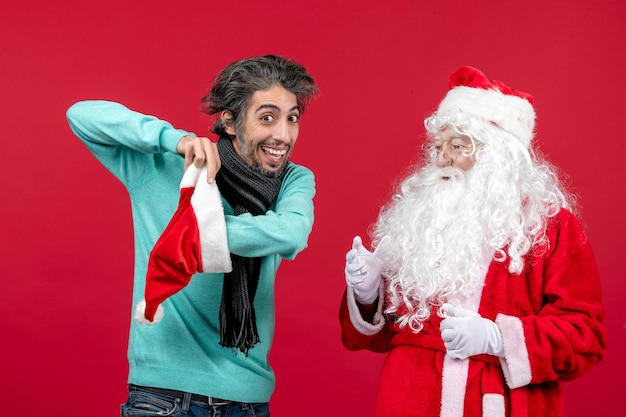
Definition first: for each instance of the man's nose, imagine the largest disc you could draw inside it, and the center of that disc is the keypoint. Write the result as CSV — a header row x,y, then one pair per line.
x,y
281,131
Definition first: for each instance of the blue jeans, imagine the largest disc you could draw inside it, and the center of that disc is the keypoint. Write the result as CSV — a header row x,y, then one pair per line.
x,y
142,403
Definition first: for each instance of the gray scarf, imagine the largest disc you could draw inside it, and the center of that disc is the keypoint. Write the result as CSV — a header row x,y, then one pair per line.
x,y
247,191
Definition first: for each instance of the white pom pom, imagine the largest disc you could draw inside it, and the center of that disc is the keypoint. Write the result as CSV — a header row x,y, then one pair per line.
x,y
140,314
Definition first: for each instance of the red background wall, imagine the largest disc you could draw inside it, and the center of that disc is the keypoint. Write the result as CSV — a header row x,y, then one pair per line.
x,y
65,229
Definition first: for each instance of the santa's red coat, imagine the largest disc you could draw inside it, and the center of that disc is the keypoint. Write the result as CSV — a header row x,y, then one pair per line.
x,y
551,319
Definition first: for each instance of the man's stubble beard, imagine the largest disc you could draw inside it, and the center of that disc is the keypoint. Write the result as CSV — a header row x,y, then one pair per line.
x,y
248,153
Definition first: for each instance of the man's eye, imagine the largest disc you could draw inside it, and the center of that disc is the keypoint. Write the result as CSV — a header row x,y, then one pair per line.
x,y
294,118
267,118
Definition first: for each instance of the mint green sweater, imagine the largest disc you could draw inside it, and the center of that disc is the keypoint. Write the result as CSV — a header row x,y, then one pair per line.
x,y
182,352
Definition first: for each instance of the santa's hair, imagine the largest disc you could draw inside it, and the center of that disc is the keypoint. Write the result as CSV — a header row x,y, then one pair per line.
x,y
515,192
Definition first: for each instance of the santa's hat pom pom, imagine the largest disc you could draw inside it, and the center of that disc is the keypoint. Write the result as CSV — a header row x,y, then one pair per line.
x,y
140,314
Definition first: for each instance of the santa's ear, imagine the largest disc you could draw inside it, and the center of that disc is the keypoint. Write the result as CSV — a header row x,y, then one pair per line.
x,y
228,122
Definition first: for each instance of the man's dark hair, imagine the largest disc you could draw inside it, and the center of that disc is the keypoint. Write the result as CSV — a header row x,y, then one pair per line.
x,y
234,86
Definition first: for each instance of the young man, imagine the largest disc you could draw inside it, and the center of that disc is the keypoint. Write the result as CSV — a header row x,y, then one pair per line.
x,y
209,352
482,287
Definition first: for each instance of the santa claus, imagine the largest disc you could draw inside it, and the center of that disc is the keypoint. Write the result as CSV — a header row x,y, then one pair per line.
x,y
482,288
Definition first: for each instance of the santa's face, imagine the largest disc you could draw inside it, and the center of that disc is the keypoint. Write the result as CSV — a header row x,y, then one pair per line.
x,y
453,149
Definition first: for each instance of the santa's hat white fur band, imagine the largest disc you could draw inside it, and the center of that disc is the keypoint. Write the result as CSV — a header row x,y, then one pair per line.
x,y
473,94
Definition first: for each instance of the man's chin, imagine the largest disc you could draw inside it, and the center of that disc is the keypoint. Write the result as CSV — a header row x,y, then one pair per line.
x,y
271,170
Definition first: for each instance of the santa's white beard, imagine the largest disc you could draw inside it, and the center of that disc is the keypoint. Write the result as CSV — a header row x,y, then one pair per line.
x,y
440,233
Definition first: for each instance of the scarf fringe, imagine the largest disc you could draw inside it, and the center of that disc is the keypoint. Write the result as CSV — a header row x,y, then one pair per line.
x,y
238,330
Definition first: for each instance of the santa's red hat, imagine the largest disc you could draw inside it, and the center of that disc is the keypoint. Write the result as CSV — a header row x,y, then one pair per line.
x,y
471,92
194,241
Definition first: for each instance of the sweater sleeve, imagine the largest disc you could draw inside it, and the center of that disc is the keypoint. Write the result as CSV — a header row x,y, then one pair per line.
x,y
285,229
356,332
567,336
124,141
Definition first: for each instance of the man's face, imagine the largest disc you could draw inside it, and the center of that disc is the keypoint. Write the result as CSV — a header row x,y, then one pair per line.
x,y
270,129
454,150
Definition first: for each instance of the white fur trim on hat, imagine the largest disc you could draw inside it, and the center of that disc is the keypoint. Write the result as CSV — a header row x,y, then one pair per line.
x,y
140,315
511,113
207,206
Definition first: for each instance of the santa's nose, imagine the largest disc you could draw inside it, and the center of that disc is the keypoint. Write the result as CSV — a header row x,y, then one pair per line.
x,y
443,157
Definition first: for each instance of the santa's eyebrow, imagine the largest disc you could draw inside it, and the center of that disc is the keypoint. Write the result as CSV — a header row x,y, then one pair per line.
x,y
451,137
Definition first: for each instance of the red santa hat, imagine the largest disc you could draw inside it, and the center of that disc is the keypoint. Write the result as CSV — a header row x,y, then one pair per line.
x,y
193,241
471,92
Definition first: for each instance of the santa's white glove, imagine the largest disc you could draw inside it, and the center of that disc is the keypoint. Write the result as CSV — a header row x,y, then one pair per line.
x,y
363,269
466,333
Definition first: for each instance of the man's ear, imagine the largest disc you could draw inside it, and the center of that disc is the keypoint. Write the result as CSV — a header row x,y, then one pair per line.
x,y
228,122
